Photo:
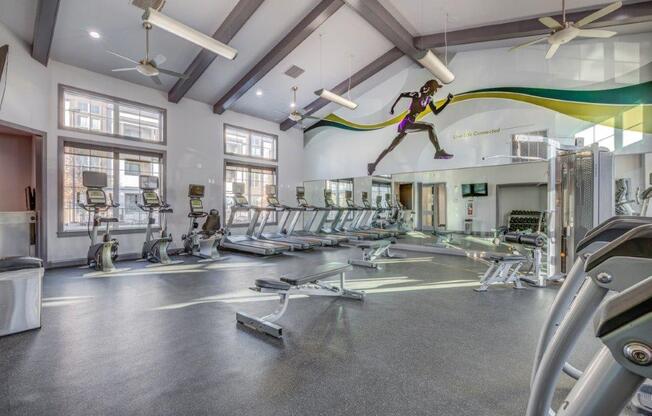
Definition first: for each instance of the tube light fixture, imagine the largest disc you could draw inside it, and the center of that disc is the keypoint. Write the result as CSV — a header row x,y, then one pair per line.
x,y
331,96
179,29
430,61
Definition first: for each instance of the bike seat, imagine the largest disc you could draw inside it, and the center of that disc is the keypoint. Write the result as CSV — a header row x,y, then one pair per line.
x,y
166,210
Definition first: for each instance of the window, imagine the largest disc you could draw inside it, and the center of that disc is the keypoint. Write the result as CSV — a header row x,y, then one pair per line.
x,y
97,113
525,151
255,179
239,141
339,187
379,189
123,185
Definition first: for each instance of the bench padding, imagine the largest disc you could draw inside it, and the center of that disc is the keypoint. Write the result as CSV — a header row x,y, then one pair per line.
x,y
506,257
372,244
10,264
272,284
318,273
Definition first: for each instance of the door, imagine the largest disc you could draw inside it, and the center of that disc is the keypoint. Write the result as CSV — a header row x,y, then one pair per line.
x,y
428,208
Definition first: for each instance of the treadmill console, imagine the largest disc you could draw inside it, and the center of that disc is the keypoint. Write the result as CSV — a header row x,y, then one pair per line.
x,y
240,200
272,200
95,197
196,206
150,199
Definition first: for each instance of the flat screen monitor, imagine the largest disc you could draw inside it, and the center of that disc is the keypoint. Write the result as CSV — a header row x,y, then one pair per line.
x,y
480,189
196,191
467,190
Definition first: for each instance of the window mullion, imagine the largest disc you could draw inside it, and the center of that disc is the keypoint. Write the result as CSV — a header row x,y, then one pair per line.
x,y
116,183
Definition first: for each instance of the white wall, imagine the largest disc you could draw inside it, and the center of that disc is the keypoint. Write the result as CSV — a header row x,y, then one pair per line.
x,y
582,64
484,218
194,147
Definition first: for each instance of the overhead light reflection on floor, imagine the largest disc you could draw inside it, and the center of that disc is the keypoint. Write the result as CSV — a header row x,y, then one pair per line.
x,y
228,265
440,285
405,260
65,301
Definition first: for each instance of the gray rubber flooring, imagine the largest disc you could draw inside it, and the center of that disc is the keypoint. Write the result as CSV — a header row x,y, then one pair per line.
x,y
164,341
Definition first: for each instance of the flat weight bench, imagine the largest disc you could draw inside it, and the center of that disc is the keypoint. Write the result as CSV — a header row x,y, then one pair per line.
x,y
310,284
503,269
372,251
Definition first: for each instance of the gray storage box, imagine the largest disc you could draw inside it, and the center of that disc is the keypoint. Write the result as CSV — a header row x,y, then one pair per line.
x,y
21,282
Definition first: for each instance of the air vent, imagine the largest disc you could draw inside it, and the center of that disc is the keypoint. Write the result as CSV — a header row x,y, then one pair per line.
x,y
145,4
294,71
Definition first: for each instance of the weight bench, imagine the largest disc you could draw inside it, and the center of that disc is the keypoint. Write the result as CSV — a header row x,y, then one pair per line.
x,y
503,269
371,251
310,284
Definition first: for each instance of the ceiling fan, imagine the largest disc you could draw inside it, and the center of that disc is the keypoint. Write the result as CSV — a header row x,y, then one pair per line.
x,y
146,66
296,115
566,31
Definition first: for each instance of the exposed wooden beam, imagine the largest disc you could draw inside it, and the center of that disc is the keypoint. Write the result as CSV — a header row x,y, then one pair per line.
x,y
242,11
629,13
46,18
356,79
298,34
381,19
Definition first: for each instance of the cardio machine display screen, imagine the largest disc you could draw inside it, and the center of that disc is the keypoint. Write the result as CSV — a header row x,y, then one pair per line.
x,y
96,197
196,205
150,198
273,201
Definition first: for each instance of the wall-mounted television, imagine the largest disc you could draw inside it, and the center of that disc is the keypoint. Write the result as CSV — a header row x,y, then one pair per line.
x,y
475,189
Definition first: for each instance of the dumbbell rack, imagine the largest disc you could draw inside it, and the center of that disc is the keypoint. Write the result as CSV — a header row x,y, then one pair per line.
x,y
523,220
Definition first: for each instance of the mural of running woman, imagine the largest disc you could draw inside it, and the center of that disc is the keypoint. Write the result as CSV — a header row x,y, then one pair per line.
x,y
420,101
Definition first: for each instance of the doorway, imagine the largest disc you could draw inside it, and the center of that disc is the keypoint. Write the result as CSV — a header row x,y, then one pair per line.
x,y
433,206
22,185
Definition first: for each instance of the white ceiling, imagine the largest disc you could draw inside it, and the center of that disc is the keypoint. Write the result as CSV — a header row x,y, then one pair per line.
x,y
18,16
423,17
348,41
338,51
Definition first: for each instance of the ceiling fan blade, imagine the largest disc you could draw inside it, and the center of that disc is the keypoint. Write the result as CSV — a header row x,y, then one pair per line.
x,y
596,33
156,80
600,13
550,22
172,73
123,69
160,59
123,57
532,42
552,50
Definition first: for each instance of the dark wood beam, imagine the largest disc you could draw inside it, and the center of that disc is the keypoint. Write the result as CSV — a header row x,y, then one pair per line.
x,y
46,18
629,13
242,11
381,19
356,79
298,34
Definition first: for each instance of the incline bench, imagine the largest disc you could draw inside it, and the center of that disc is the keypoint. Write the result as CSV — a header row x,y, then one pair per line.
x,y
372,251
310,284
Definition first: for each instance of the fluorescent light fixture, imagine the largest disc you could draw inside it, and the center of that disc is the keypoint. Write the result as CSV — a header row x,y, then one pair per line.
x,y
94,34
331,96
191,35
259,92
430,61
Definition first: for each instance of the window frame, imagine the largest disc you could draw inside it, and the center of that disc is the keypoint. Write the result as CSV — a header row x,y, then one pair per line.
x,y
248,165
379,184
249,131
93,145
116,119
518,157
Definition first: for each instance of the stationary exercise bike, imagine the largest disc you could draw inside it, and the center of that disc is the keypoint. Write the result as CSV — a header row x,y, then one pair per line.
x,y
100,255
155,249
202,243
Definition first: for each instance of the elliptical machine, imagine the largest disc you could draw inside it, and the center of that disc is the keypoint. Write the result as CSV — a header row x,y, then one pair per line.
x,y
155,249
100,255
203,244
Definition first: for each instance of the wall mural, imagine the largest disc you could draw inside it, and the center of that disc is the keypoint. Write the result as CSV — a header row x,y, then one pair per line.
x,y
633,103
420,102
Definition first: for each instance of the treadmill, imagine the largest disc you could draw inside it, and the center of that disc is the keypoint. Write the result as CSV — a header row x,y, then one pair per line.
x,y
245,242
296,242
352,222
366,218
308,230
337,225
